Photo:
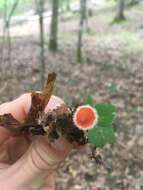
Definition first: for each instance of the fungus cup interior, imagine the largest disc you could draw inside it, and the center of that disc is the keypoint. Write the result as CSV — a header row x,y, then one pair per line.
x,y
85,117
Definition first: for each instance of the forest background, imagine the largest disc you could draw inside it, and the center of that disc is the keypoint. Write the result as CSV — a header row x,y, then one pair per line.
x,y
95,47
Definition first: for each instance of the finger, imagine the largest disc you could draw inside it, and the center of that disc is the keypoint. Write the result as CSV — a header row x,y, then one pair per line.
x,y
14,107
51,152
61,147
24,103
19,108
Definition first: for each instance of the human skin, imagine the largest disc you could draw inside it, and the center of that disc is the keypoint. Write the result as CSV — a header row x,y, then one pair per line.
x,y
26,159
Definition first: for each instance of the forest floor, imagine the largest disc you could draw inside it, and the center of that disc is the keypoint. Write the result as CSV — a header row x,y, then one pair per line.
x,y
112,72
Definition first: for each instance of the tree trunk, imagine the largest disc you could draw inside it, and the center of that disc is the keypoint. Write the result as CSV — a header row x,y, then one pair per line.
x,y
40,8
53,42
120,11
81,30
6,32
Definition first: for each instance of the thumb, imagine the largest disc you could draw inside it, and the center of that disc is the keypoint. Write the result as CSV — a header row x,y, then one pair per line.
x,y
48,156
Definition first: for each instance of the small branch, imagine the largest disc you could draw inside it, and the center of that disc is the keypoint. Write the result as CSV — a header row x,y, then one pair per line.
x,y
8,19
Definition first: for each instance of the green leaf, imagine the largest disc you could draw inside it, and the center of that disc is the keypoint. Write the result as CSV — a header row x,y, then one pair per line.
x,y
100,136
106,114
103,132
89,101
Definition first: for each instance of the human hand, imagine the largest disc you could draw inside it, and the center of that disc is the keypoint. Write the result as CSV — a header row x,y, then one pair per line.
x,y
24,159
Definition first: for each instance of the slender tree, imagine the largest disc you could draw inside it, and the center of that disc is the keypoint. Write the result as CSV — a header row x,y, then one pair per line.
x,y
40,10
6,29
81,30
53,42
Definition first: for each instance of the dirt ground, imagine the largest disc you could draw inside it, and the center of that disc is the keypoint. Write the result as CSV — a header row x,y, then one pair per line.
x,y
112,72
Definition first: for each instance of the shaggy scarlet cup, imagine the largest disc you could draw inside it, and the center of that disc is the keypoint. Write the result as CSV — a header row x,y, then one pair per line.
x,y
85,117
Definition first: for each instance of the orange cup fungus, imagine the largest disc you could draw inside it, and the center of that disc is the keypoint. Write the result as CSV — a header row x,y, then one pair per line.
x,y
85,117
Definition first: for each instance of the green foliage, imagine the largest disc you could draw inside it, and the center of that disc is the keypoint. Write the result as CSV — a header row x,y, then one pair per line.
x,y
9,3
103,132
89,101
117,20
21,5
61,3
65,5
113,88
90,177
106,113
101,136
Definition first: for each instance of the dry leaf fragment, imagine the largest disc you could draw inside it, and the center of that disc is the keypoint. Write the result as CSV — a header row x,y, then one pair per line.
x,y
9,122
41,99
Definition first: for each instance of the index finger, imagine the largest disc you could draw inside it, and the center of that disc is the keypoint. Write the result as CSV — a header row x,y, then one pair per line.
x,y
19,108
